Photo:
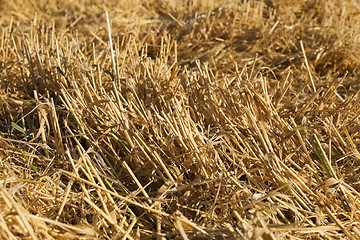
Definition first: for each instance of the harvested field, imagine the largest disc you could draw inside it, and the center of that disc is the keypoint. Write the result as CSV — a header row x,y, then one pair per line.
x,y
180,119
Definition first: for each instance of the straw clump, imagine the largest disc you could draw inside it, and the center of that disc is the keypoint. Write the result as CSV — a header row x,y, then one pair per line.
x,y
202,120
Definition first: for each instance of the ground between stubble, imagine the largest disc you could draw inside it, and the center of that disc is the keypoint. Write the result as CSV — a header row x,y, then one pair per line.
x,y
202,120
